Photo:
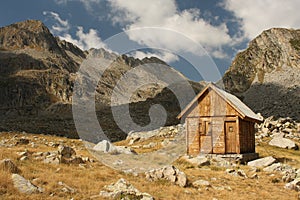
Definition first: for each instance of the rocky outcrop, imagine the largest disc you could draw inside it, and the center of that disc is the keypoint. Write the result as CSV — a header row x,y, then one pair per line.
x,y
123,190
283,143
169,173
262,162
267,74
282,131
24,186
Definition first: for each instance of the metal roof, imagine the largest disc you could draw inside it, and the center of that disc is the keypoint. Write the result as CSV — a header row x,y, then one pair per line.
x,y
235,102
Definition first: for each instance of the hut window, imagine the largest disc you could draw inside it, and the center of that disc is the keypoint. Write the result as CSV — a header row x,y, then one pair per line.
x,y
207,128
200,128
230,128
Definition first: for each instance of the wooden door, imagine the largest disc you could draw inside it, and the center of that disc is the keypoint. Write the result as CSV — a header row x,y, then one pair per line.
x,y
230,137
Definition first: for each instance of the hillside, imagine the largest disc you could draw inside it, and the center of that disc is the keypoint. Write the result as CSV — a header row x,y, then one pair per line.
x,y
267,74
37,73
35,157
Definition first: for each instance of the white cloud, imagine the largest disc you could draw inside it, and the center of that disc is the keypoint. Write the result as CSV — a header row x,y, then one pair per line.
x,y
83,40
259,15
165,56
60,25
60,2
88,4
165,14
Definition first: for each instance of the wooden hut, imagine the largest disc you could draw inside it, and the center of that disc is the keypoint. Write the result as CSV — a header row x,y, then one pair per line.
x,y
219,123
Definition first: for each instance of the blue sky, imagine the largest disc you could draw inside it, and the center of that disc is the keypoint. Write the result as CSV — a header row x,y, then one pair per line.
x,y
222,27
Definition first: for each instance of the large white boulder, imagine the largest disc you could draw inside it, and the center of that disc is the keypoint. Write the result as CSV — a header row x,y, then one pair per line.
x,y
104,146
262,162
283,143
107,147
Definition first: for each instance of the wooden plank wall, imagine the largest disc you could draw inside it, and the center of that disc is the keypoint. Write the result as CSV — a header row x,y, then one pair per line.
x,y
247,136
192,136
211,107
211,104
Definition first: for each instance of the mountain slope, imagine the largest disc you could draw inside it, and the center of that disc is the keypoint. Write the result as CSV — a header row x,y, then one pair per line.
x,y
37,73
267,74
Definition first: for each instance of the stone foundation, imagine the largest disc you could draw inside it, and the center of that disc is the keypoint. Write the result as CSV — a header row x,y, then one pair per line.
x,y
241,158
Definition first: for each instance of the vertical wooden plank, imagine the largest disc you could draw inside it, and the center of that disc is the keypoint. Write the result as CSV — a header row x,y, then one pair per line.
x,y
238,135
230,137
193,136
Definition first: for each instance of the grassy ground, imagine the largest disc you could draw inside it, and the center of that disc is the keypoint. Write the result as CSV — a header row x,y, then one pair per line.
x,y
90,180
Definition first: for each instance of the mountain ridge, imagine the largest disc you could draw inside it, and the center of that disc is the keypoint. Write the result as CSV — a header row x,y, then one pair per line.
x,y
37,77
266,76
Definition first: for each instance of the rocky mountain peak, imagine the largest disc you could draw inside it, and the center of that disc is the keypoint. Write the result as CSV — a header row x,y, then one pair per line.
x,y
272,50
32,34
267,74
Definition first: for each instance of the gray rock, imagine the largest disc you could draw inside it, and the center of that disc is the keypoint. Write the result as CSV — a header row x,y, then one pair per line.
x,y
66,152
288,177
293,185
9,165
262,162
150,145
52,160
199,161
181,179
123,190
65,188
283,143
24,158
273,167
297,173
241,173
265,131
201,183
24,186
169,173
104,146
123,150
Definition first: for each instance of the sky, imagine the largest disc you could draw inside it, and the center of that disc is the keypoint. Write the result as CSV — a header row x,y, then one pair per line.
x,y
222,27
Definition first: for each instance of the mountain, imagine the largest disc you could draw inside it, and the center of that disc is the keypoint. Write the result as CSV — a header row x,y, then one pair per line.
x,y
37,74
266,76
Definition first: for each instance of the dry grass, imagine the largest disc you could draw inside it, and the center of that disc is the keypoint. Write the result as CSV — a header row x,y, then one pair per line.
x,y
157,140
287,156
89,181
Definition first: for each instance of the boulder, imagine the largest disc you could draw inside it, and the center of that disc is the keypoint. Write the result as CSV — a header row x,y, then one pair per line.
x,y
104,146
24,186
66,152
124,150
283,143
262,162
9,166
123,190
273,167
170,173
181,179
65,188
199,161
201,183
293,185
